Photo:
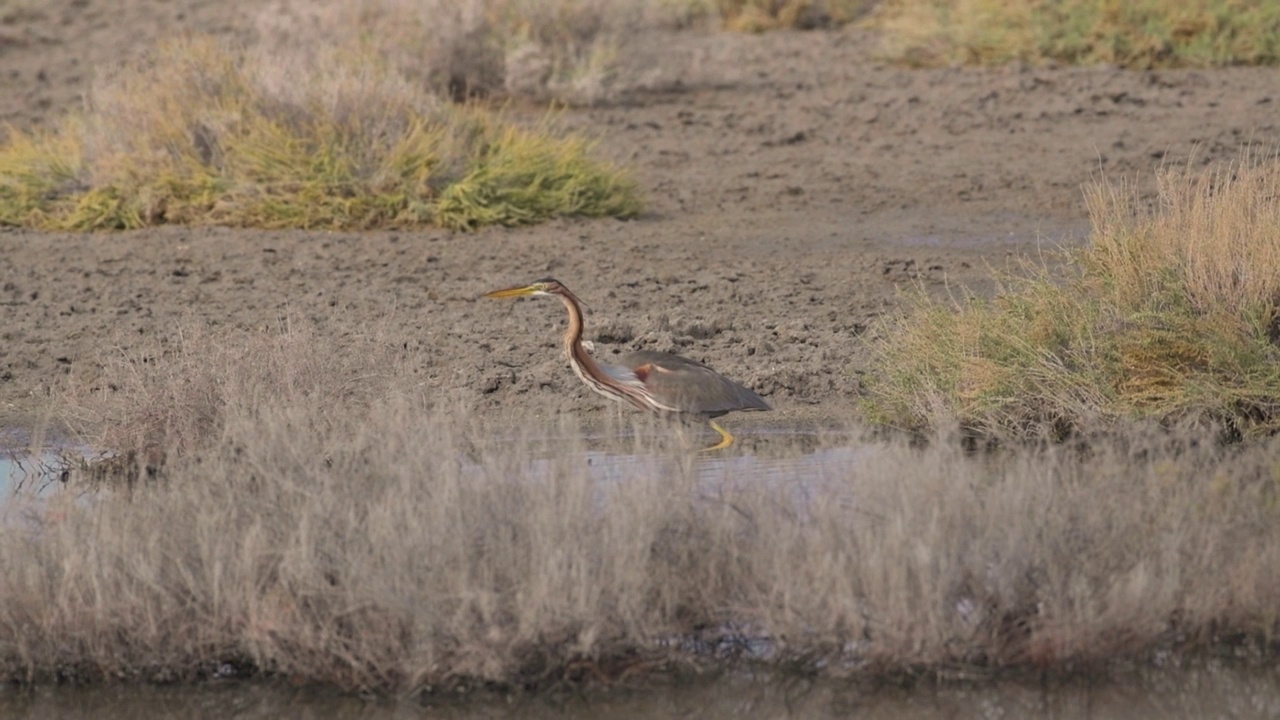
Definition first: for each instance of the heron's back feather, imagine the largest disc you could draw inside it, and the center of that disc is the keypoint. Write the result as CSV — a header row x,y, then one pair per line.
x,y
687,385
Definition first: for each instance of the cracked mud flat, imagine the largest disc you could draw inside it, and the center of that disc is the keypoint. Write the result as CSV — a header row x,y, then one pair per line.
x,y
796,187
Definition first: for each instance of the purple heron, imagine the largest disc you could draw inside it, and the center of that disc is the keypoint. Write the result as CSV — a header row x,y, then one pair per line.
x,y
656,381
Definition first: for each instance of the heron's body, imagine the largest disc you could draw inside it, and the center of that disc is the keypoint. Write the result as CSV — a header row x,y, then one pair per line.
x,y
655,381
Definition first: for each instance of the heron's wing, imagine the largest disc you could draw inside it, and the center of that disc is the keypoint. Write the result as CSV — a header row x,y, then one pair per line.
x,y
689,386
622,373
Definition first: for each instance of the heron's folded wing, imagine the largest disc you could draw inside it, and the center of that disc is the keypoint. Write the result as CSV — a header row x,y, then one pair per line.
x,y
623,375
692,387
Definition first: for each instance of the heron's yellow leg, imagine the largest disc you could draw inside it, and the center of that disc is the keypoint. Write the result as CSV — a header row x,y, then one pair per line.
x,y
725,438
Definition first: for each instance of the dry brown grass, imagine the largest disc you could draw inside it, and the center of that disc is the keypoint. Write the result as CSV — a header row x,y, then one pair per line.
x,y
573,51
178,393
202,132
1136,33
467,48
1171,312
762,15
327,521
1217,227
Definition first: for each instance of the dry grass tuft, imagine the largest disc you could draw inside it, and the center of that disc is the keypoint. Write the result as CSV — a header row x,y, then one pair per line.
x,y
568,50
762,15
363,536
1144,34
1170,313
199,133
177,395
538,49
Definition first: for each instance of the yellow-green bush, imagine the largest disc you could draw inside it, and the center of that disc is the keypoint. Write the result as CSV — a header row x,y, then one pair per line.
x,y
198,134
1168,313
761,15
1138,33
519,177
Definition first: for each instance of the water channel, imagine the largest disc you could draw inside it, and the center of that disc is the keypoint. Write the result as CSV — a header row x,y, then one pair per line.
x,y
1208,690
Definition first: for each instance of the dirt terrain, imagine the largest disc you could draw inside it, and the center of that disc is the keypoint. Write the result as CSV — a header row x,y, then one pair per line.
x,y
796,186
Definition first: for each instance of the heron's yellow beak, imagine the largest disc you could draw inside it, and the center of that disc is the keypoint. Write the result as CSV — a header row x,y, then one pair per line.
x,y
521,291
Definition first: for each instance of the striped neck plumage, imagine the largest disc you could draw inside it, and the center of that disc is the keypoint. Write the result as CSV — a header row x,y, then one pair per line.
x,y
578,355
595,375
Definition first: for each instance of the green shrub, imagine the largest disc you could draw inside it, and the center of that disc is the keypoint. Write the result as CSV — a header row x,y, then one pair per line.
x,y
198,135
1141,34
520,177
1168,313
761,15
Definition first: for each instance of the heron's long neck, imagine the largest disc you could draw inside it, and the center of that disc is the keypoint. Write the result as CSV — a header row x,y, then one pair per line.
x,y
581,360
590,372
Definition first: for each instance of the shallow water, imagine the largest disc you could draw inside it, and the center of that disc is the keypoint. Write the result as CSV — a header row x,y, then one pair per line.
x,y
1207,691
26,478
20,473
802,455
779,455
798,463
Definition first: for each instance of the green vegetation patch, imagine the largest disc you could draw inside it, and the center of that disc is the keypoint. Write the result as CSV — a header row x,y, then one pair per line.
x,y
1171,312
762,15
1137,34
520,177
199,135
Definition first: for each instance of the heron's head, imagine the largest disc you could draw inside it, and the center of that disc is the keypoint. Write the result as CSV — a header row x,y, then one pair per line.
x,y
545,286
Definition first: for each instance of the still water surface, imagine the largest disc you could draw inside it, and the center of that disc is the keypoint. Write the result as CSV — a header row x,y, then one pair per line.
x,y
26,480
1207,691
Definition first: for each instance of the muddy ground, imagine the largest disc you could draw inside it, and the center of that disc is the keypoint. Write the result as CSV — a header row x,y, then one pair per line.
x,y
796,186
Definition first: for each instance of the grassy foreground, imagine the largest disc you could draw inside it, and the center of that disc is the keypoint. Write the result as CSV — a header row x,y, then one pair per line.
x,y
1139,34
1171,313
198,134
316,521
